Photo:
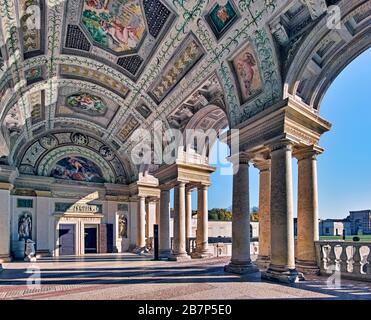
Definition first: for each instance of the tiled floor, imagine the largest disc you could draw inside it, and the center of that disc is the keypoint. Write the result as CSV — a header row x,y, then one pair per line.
x,y
129,276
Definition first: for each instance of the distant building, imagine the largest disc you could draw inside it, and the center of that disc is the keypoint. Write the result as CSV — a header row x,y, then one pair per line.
x,y
334,227
360,222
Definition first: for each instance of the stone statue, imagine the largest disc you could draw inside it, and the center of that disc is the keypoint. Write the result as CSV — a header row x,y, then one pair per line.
x,y
123,226
25,226
30,251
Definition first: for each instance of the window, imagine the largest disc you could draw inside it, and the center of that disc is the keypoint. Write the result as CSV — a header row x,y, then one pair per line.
x,y
24,203
327,230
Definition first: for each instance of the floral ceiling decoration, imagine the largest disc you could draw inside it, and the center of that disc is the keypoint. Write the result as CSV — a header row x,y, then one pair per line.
x,y
107,67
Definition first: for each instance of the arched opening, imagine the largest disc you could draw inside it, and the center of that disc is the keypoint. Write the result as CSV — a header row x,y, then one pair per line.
x,y
344,171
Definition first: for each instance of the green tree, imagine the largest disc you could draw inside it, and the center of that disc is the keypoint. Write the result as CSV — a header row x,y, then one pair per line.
x,y
220,214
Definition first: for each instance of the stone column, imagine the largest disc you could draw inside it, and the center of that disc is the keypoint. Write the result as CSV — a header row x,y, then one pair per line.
x,y
202,239
241,262
164,224
188,209
157,220
179,240
148,226
5,215
264,167
282,265
141,223
308,224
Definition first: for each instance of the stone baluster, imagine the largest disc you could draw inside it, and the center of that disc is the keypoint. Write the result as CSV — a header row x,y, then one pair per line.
x,y
369,261
325,261
344,259
357,259
332,256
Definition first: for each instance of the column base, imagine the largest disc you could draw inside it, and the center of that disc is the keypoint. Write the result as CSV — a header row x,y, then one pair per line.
x,y
140,250
164,254
201,254
30,259
5,258
179,257
262,262
282,274
307,267
241,267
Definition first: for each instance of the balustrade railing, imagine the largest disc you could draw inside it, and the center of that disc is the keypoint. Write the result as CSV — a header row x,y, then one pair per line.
x,y
351,259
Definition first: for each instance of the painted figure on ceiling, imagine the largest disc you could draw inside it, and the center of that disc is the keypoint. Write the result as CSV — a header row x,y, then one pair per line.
x,y
246,71
222,14
115,24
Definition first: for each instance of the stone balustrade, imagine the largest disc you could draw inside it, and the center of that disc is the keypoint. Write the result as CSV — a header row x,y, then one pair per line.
x,y
351,259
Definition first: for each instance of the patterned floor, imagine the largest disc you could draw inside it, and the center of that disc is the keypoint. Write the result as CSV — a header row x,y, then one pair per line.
x,y
129,276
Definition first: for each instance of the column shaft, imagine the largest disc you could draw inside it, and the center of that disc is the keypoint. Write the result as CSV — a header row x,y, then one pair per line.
x,y
282,265
202,239
241,261
141,223
188,209
179,240
148,225
164,224
308,226
5,233
264,213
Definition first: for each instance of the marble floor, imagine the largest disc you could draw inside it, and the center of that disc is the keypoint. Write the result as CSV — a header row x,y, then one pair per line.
x,y
129,276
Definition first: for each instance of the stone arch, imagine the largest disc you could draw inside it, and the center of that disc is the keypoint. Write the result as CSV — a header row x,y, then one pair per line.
x,y
39,156
326,52
48,162
210,119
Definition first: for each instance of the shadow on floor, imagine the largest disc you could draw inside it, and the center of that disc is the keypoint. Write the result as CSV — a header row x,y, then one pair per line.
x,y
160,273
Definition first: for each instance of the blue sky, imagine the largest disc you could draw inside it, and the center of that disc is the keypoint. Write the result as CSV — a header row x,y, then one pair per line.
x,y
344,169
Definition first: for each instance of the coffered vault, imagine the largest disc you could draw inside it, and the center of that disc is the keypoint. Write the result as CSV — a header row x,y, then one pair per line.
x,y
106,68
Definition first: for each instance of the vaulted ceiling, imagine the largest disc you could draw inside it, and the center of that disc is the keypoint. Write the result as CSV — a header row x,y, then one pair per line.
x,y
103,68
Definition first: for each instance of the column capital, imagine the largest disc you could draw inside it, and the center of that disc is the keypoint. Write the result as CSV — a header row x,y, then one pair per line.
x,y
241,158
180,184
262,164
281,144
307,152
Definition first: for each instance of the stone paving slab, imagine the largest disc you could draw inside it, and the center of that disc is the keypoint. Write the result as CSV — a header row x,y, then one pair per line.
x,y
129,276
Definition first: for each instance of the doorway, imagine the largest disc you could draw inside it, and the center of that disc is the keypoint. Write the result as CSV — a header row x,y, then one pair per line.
x,y
67,239
90,233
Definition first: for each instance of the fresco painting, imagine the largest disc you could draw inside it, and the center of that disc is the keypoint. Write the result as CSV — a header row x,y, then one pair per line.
x,y
85,102
245,66
78,169
221,17
117,25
